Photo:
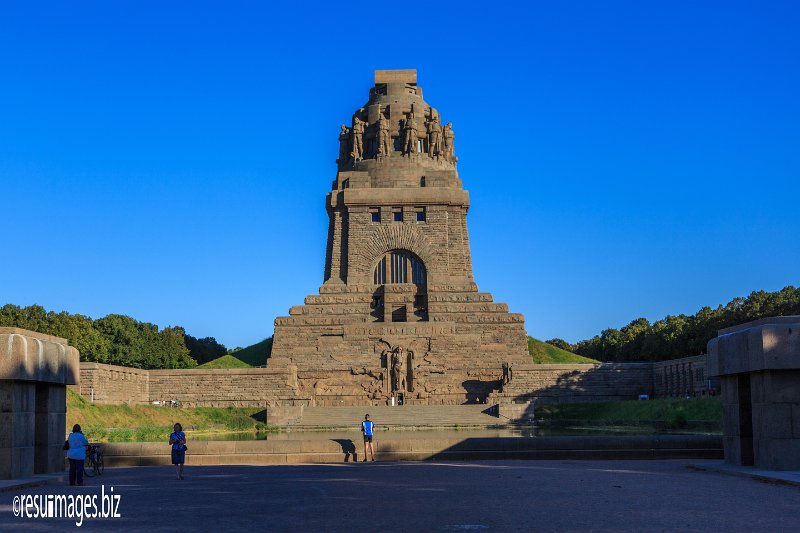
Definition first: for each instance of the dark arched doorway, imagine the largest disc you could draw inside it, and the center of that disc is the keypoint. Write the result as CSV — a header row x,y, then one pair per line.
x,y
400,279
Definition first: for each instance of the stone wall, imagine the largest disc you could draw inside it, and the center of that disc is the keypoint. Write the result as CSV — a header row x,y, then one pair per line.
x,y
247,387
112,384
566,383
235,387
240,387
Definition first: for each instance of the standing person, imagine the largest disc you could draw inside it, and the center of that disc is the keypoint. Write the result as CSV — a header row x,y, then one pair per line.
x,y
178,441
366,430
76,454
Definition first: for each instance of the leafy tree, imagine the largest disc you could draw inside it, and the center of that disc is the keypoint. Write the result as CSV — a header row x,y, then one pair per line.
x,y
205,349
114,339
560,343
681,335
82,334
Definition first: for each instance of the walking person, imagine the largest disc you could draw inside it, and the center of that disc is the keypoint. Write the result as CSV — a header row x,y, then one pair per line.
x,y
178,440
366,430
76,453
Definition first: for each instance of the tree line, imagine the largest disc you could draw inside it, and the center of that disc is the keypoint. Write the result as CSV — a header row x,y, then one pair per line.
x,y
677,336
122,340
117,339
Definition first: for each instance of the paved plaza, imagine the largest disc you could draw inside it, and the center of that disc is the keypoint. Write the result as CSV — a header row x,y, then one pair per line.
x,y
430,496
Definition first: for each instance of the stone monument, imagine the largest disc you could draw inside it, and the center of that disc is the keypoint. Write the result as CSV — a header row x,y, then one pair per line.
x,y
759,368
399,318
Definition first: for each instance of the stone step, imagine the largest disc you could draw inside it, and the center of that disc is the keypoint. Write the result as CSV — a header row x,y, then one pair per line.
x,y
400,416
415,446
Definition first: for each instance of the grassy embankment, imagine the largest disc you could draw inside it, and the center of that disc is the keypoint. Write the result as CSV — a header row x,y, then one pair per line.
x,y
103,423
696,413
544,353
226,361
254,355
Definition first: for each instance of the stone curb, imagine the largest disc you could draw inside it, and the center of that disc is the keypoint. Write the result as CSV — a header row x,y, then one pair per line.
x,y
787,477
8,485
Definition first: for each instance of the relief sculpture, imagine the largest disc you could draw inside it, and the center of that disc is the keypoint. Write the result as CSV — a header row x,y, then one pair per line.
x,y
400,370
403,364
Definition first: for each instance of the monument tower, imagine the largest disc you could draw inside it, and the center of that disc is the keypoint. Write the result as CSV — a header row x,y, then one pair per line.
x,y
399,318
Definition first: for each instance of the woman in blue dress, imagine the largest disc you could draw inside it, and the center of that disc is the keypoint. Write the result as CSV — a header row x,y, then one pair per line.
x,y
178,441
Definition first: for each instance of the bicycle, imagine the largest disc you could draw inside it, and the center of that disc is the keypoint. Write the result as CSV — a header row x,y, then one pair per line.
x,y
94,461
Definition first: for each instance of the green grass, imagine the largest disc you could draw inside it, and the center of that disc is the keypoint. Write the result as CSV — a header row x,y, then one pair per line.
x,y
226,361
254,355
107,423
667,413
547,353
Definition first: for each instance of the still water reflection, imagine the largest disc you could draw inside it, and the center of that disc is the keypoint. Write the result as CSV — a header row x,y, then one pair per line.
x,y
444,433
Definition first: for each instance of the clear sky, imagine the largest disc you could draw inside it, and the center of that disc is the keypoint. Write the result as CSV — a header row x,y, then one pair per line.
x,y
169,161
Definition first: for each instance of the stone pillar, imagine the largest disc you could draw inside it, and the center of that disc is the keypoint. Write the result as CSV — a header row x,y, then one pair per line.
x,y
17,418
759,368
51,423
335,268
34,372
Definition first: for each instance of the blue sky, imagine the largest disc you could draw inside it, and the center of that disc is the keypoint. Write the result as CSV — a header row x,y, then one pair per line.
x,y
169,161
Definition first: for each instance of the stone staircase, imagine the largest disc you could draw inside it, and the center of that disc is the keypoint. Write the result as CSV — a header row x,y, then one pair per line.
x,y
405,417
556,383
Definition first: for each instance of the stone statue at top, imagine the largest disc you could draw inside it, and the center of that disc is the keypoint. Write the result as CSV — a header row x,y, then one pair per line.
x,y
449,152
396,119
410,135
384,135
358,138
434,135
344,145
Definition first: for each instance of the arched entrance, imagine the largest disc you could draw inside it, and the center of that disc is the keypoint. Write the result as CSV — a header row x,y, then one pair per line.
x,y
400,294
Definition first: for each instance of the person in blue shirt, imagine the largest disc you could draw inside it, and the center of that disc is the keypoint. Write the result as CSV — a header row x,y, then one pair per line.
x,y
76,453
178,440
366,430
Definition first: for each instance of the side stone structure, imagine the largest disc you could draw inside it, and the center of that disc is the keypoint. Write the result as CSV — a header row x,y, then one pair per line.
x,y
759,367
570,383
250,387
678,378
34,372
399,317
235,387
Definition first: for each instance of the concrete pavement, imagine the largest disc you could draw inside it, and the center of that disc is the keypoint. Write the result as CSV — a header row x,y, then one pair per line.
x,y
662,495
